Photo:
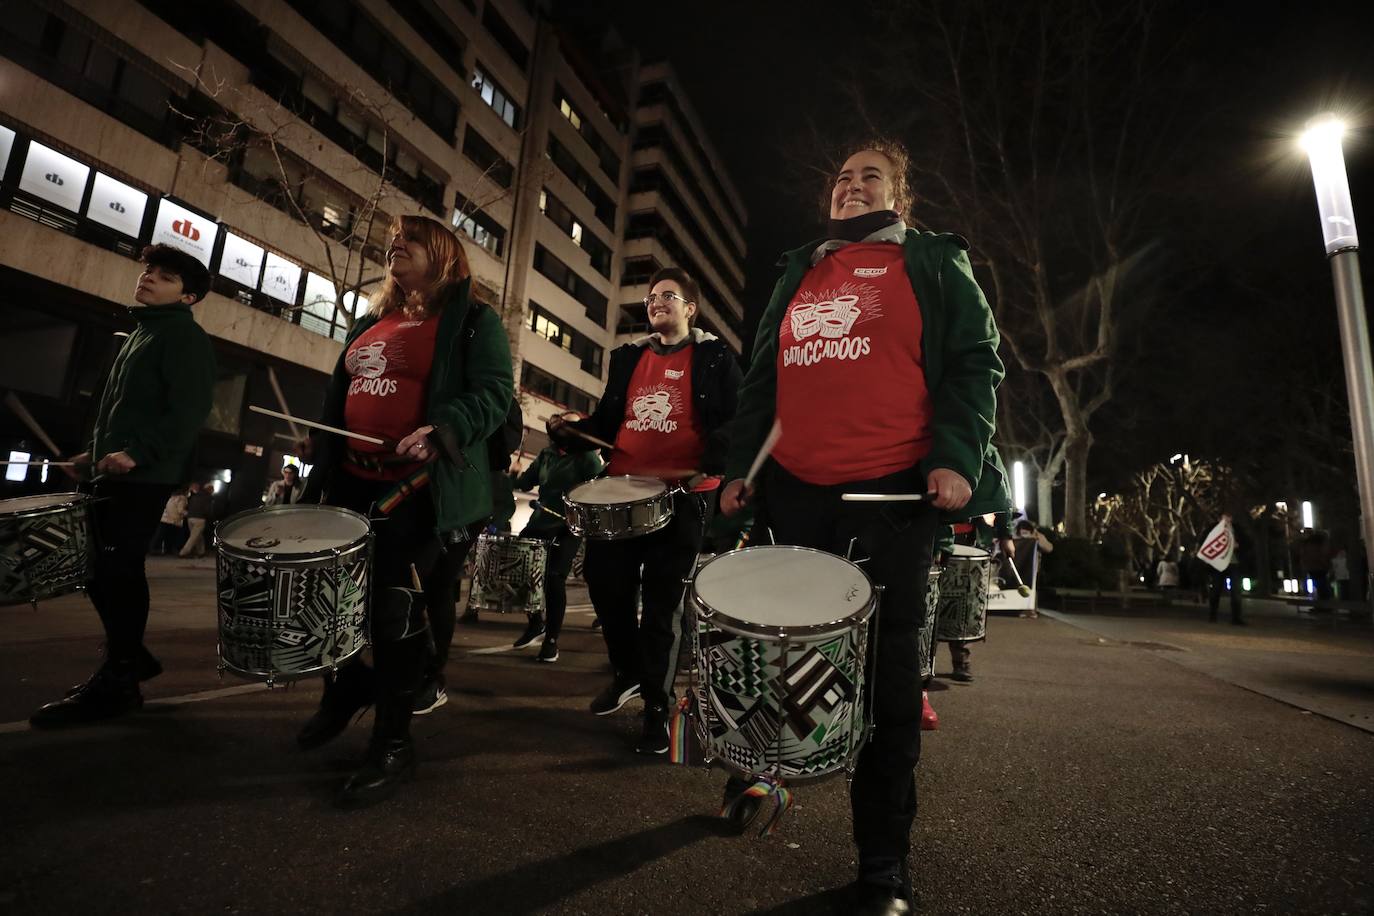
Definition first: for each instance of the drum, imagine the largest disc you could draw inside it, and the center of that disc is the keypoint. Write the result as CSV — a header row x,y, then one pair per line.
x,y
294,583
45,546
964,586
780,642
509,575
615,508
927,644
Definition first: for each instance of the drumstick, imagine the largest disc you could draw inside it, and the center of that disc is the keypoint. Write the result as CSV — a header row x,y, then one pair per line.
x,y
1022,588
590,438
281,401
885,497
51,464
765,450
543,508
13,403
313,425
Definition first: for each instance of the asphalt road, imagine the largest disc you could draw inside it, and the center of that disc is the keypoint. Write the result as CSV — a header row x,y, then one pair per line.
x,y
1079,774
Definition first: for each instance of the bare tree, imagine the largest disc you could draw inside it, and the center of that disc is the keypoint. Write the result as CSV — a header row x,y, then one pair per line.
x,y
1037,130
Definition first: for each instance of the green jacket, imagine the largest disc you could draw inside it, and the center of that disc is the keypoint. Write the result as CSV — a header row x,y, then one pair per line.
x,y
959,342
470,386
555,472
157,396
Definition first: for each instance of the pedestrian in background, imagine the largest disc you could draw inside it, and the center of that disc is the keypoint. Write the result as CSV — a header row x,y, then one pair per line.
x,y
172,528
199,505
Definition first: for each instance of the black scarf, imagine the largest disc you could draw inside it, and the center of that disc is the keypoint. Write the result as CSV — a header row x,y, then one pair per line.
x,y
858,228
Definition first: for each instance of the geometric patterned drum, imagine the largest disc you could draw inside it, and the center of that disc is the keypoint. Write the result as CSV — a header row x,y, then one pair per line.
x,y
45,546
963,614
294,583
510,574
927,644
779,650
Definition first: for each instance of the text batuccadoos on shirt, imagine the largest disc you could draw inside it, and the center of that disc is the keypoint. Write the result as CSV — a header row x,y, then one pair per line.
x,y
388,365
852,396
660,430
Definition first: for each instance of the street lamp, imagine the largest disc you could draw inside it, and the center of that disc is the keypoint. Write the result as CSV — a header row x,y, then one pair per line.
x,y
1018,484
1307,519
1322,141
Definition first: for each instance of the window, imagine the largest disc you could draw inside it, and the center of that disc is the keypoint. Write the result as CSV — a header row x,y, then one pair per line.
x,y
485,157
547,326
660,94
496,97
505,36
567,279
478,226
655,136
570,113
602,203
606,157
653,179
434,26
638,270
598,251
541,384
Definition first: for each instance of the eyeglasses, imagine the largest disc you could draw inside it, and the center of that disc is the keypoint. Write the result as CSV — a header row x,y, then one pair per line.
x,y
668,298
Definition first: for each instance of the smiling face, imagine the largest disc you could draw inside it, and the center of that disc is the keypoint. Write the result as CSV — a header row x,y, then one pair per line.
x,y
669,309
158,286
408,260
865,184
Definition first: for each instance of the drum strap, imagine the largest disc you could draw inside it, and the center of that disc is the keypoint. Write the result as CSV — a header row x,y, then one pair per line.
x,y
404,489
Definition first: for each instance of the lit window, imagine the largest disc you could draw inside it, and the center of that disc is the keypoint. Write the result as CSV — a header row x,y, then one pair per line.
x,y
577,233
543,201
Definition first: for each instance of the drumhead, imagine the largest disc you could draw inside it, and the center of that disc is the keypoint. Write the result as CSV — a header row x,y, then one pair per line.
x,y
965,552
41,501
610,490
781,587
292,530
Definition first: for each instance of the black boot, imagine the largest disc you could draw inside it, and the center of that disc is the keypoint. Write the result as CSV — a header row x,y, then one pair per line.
x,y
346,694
389,763
112,691
391,754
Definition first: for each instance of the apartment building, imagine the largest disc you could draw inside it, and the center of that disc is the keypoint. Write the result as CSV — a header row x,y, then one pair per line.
x,y
275,140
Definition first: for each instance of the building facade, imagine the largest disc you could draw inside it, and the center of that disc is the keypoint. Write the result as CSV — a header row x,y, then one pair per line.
x,y
276,140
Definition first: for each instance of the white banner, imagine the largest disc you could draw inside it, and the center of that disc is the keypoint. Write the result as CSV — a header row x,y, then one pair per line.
x,y
181,228
54,177
115,204
6,145
241,260
281,279
1219,547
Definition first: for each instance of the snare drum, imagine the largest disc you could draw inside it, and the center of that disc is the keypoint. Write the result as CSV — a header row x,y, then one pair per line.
x,y
964,585
509,575
615,508
294,583
45,546
779,645
927,643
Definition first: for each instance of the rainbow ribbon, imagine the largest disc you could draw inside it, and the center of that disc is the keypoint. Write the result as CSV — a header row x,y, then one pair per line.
x,y
404,489
679,729
763,790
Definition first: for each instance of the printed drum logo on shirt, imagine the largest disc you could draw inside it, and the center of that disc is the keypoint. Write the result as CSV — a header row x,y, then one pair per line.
x,y
367,364
652,408
821,324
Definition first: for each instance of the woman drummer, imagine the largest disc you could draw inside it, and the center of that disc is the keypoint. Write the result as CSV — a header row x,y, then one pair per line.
x,y
878,356
429,372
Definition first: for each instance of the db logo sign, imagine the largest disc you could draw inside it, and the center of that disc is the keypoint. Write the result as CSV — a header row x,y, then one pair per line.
x,y
117,207
55,179
184,227
242,262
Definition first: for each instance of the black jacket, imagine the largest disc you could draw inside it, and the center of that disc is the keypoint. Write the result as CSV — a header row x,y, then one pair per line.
x,y
716,378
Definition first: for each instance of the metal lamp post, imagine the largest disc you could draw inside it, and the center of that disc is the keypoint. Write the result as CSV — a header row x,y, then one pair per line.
x,y
1322,141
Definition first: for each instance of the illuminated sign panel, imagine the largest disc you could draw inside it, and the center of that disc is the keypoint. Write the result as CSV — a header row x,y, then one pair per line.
x,y
115,204
281,279
180,228
241,260
54,177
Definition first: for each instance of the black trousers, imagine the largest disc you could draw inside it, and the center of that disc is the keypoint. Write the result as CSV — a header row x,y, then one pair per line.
x,y
563,545
124,516
441,595
1216,579
652,569
896,542
403,539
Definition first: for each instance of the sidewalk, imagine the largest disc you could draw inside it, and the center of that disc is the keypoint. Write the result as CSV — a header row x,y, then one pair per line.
x,y
1080,773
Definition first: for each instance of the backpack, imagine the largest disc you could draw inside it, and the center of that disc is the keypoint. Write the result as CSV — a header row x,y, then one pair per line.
x,y
507,438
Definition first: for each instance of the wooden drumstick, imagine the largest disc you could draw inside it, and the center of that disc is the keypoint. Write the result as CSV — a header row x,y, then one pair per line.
x,y
51,464
281,402
589,437
885,497
765,450
543,508
1022,588
313,425
14,404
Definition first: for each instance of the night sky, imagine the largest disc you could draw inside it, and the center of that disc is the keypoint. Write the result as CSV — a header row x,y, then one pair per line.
x,y
764,76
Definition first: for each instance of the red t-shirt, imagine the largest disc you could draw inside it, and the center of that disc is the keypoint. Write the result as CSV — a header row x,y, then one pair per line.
x,y
389,366
660,430
852,395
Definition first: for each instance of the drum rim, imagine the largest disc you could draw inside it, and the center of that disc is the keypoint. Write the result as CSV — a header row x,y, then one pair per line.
x,y
633,532
978,556
78,499
289,559
739,627
284,676
569,502
507,538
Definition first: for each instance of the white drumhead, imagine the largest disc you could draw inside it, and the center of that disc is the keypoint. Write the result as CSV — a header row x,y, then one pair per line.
x,y
41,501
610,490
783,586
292,529
965,552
